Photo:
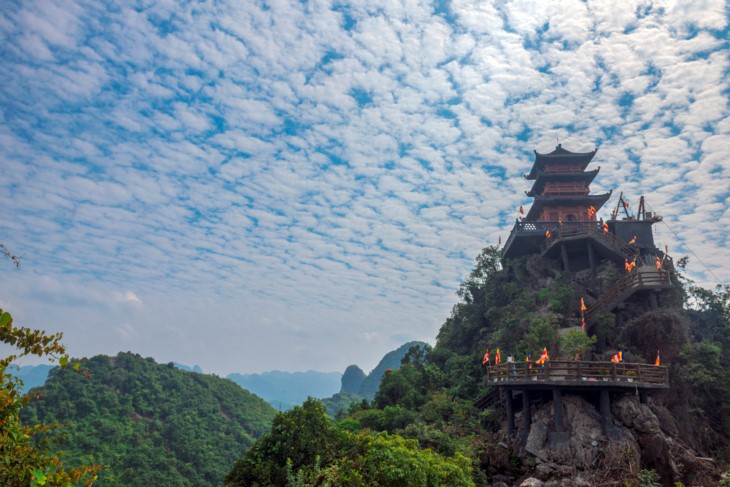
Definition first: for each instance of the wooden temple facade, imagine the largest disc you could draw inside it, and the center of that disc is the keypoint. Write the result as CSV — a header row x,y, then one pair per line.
x,y
562,224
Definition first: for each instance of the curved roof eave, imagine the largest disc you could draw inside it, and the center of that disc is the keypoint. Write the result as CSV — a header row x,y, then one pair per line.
x,y
560,156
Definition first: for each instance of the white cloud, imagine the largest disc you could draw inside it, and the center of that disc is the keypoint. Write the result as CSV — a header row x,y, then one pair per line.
x,y
274,189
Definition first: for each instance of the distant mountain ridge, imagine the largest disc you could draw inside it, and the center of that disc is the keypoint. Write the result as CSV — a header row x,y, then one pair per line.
x,y
284,390
194,368
31,375
357,386
391,360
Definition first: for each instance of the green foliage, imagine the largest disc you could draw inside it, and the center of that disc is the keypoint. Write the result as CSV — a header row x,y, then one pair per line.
x,y
304,449
27,455
558,296
150,424
298,436
725,479
400,387
488,265
391,361
542,332
648,478
340,403
574,342
393,461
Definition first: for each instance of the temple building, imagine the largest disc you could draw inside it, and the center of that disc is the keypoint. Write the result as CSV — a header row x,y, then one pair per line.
x,y
562,221
562,225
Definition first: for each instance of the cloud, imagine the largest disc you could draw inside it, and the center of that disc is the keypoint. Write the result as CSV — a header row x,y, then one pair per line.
x,y
251,186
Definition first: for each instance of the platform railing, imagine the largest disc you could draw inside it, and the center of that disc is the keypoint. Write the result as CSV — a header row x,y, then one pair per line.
x,y
574,370
593,229
531,229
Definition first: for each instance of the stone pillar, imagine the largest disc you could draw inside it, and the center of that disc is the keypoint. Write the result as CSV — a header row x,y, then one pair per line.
x,y
652,301
526,412
592,258
510,414
605,411
564,254
558,408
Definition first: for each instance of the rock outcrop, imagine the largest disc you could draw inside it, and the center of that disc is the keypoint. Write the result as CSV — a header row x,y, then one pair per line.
x,y
583,455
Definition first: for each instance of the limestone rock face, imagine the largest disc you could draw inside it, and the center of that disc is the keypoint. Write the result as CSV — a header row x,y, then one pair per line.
x,y
536,267
583,427
639,439
666,421
532,482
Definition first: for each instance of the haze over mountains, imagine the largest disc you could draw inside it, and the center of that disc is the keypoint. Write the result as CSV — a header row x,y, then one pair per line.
x,y
283,390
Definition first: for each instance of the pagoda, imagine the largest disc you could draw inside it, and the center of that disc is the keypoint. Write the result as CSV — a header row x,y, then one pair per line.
x,y
562,222
562,187
561,192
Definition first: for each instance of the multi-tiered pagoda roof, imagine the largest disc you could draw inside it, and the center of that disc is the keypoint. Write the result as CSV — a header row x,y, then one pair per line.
x,y
561,195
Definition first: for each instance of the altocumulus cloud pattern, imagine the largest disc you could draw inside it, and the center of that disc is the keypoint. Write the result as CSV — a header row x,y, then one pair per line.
x,y
255,185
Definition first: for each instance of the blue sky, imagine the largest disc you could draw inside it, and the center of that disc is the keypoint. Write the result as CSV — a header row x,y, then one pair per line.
x,y
302,185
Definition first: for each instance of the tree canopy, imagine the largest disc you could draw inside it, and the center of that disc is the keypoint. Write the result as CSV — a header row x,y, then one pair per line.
x,y
149,423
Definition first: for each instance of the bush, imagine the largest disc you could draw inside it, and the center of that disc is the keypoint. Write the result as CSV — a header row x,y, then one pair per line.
x,y
648,478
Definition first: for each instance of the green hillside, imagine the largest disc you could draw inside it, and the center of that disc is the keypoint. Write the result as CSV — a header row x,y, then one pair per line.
x,y
148,423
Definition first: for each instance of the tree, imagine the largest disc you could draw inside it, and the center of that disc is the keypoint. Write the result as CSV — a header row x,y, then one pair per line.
x,y
303,437
575,342
304,449
26,456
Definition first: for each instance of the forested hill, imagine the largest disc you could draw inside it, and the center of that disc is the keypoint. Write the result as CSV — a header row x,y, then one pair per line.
x,y
151,424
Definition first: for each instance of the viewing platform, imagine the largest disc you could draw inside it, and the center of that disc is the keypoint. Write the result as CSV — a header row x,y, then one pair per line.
x,y
578,374
528,237
518,385
608,246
